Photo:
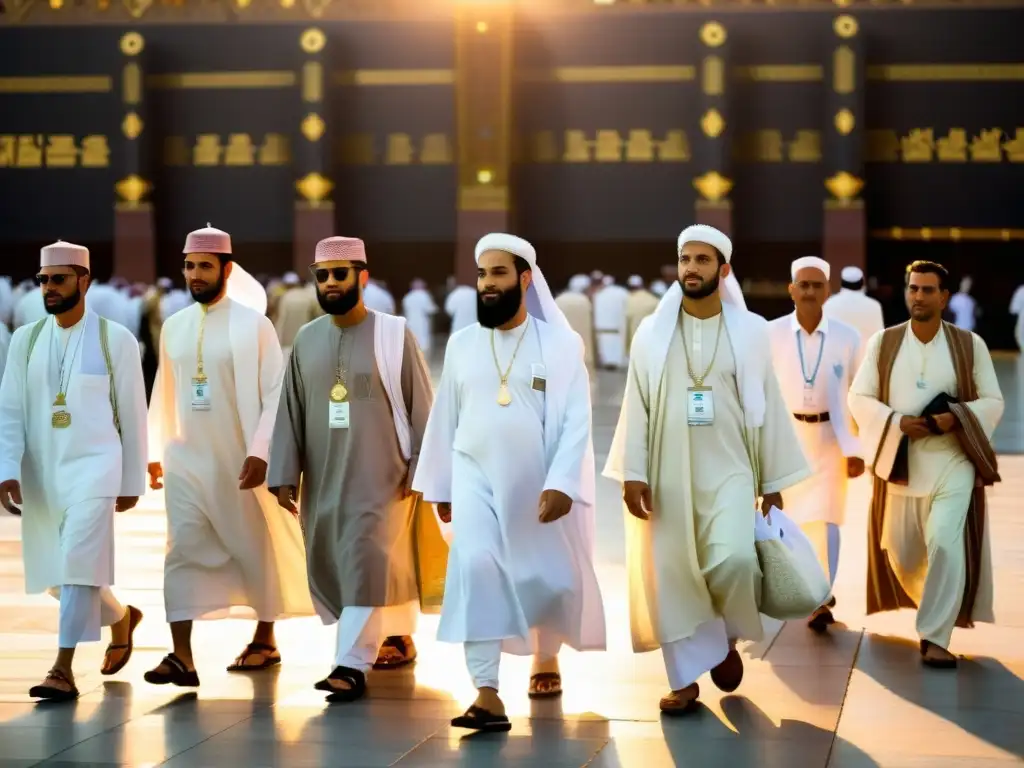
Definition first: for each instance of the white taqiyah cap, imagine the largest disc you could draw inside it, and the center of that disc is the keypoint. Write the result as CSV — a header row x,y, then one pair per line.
x,y
62,254
851,274
165,282
635,281
291,278
340,249
208,240
810,262
579,283
499,241
702,233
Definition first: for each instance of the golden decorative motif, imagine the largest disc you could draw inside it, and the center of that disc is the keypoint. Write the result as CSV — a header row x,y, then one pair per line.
x,y
55,151
188,81
313,40
240,150
399,149
132,125
132,44
844,186
918,146
314,188
805,147
713,124
57,84
951,73
483,197
132,189
712,34
713,186
844,77
131,84
714,76
313,127
951,233
484,176
845,122
316,8
137,8
952,148
986,147
845,26
287,4
312,82
780,73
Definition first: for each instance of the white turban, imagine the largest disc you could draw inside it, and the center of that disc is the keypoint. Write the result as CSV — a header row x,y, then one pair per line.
x,y
702,233
635,281
851,274
810,262
539,301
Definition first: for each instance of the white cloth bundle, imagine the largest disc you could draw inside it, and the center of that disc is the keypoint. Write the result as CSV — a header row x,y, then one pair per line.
x,y
793,583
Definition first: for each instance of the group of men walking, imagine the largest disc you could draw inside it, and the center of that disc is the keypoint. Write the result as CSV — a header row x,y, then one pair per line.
x,y
334,464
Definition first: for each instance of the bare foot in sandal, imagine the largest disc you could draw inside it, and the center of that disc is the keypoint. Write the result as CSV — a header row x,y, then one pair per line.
x,y
682,701
545,679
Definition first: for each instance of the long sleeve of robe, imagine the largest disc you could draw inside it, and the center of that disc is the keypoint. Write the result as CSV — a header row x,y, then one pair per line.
x,y
132,409
439,436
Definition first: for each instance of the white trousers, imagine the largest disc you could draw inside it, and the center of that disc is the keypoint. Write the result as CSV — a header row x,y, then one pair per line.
x,y
483,657
83,610
687,659
362,630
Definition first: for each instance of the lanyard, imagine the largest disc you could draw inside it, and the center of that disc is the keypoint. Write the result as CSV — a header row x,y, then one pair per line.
x,y
809,381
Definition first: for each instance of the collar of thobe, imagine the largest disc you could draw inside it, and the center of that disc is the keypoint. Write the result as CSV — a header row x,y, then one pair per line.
x,y
929,346
822,326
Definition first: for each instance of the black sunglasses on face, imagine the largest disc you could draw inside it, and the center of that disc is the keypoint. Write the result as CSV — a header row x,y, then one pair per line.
x,y
340,274
55,279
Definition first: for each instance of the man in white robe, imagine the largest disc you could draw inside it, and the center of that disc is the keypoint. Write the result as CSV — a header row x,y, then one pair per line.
x,y
963,306
376,297
815,360
29,309
576,306
927,401
508,458
610,323
702,435
419,309
640,304
5,344
73,420
231,551
1017,310
460,306
854,307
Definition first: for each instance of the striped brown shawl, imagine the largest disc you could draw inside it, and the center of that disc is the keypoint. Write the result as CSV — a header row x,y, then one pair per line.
x,y
884,592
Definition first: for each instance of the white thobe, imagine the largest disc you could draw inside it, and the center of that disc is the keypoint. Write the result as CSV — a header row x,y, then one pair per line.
x,y
509,574
579,313
924,520
460,306
610,325
858,310
71,477
419,308
5,344
30,308
1017,309
7,301
378,299
173,302
964,308
230,552
106,301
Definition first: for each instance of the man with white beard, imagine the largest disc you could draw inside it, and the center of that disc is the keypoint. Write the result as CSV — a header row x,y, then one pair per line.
x,y
703,435
460,306
610,323
419,309
508,459
73,420
231,550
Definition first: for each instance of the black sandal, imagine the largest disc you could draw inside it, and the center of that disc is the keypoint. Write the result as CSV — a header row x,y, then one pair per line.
x,y
479,719
936,663
179,674
50,693
545,677
398,643
135,617
256,649
353,677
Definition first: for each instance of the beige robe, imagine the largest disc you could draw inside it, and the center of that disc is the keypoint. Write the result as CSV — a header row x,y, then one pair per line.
x,y
639,305
579,311
295,308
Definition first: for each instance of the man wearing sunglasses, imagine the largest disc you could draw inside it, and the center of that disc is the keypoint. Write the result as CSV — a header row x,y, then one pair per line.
x,y
73,420
353,409
231,551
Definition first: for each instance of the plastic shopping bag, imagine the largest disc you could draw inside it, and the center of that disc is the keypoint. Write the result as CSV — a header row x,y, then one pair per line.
x,y
793,583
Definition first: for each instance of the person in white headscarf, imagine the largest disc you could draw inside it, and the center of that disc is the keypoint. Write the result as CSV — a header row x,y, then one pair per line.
x,y
610,323
703,435
510,432
854,307
460,306
231,550
640,304
419,309
963,306
579,312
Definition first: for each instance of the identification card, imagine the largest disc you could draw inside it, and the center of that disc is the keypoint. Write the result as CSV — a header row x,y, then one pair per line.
x,y
200,395
700,406
538,378
338,416
808,395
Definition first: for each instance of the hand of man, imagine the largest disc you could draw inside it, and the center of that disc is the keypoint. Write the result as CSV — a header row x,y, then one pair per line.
x,y
124,503
155,473
554,505
10,494
947,422
854,466
914,427
637,496
771,500
286,498
444,511
253,474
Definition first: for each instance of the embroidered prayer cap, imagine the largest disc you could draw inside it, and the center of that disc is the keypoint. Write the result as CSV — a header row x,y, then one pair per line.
x,y
810,262
208,240
851,275
702,233
340,249
635,281
61,254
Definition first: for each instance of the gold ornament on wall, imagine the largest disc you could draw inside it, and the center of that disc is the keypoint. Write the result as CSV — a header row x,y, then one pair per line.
x,y
132,189
313,40
713,186
844,186
845,122
712,34
313,127
314,188
137,8
845,26
132,44
713,124
132,125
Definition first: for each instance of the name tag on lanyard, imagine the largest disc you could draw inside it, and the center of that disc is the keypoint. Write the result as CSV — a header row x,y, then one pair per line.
x,y
700,407
200,394
808,395
338,415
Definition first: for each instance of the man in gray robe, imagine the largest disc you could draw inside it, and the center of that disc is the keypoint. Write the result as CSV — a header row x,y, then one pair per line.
x,y
352,413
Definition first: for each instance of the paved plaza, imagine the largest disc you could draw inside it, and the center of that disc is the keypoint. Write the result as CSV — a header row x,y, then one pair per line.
x,y
855,698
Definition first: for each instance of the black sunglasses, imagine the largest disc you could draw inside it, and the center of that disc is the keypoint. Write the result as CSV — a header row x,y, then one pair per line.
x,y
340,273
55,279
